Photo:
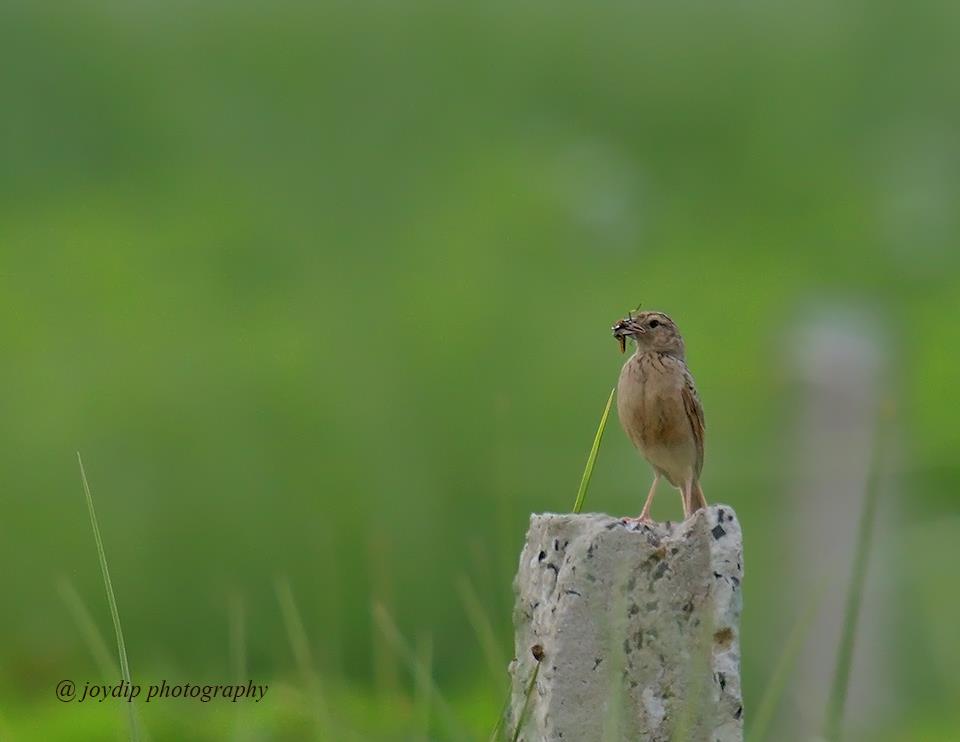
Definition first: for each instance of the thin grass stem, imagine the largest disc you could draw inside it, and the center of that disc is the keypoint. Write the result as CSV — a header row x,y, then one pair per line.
x,y
421,691
482,627
837,700
495,734
526,702
88,628
300,646
421,674
783,667
592,458
112,600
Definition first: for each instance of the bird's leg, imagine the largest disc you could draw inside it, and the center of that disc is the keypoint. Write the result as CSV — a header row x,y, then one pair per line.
x,y
644,516
693,499
697,500
685,494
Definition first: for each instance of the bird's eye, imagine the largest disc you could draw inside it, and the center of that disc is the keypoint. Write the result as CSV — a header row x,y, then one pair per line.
x,y
653,323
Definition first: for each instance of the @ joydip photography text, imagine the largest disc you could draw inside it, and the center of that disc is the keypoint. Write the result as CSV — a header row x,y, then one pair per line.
x,y
206,692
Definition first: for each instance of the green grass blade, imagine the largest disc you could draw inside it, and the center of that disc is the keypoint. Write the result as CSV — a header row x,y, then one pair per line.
x,y
592,458
783,667
300,646
88,627
422,695
112,600
421,674
836,704
495,734
526,701
237,631
483,628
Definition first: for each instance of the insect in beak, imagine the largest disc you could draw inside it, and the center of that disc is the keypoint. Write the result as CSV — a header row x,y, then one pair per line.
x,y
625,328
620,332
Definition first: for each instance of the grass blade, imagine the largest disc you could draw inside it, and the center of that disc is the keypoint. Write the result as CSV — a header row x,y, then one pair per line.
x,y
300,645
421,691
88,627
495,734
237,631
529,692
111,599
783,668
837,700
420,673
592,458
483,628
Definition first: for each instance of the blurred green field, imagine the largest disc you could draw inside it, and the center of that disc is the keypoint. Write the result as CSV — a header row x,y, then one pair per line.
x,y
322,292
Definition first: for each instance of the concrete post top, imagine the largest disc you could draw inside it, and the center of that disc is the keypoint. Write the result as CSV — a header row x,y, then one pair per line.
x,y
638,626
720,515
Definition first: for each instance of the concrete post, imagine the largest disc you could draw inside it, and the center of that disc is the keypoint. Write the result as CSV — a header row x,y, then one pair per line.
x,y
637,630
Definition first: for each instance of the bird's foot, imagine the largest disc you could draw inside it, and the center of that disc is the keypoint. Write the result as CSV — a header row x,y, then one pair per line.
x,y
640,519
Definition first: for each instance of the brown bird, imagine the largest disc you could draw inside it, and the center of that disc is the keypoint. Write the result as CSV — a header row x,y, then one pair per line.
x,y
659,407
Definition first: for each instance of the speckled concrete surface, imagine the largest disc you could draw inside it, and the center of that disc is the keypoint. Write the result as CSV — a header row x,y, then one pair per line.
x,y
639,628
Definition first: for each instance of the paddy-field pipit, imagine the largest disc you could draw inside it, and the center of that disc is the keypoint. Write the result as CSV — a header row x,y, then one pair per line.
x,y
659,407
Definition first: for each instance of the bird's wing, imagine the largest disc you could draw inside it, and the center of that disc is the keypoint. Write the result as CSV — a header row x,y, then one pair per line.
x,y
694,410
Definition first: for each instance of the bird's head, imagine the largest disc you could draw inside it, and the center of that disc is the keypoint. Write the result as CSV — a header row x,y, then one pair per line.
x,y
653,331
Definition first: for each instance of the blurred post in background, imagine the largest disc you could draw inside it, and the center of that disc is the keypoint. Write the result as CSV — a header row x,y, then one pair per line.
x,y
838,356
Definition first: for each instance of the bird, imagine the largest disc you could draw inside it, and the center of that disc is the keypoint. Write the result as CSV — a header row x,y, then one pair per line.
x,y
659,408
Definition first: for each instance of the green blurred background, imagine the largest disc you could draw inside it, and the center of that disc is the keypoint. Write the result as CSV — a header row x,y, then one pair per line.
x,y
322,292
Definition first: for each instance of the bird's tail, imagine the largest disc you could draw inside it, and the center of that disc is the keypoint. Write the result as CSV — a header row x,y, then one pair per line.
x,y
697,500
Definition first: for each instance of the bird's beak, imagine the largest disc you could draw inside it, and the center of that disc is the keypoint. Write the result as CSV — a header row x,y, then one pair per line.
x,y
626,328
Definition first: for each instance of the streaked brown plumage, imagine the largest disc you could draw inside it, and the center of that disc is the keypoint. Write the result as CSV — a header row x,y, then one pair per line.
x,y
659,407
